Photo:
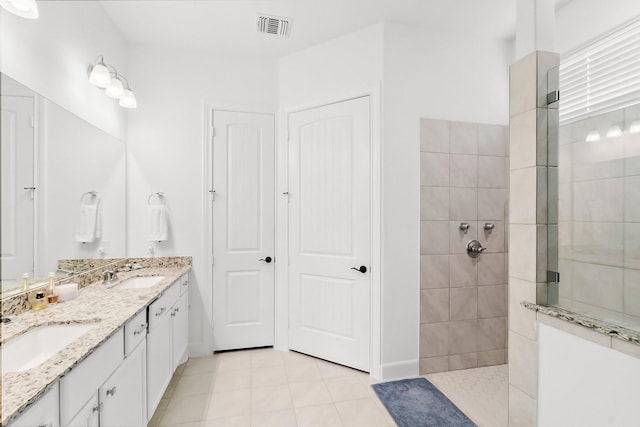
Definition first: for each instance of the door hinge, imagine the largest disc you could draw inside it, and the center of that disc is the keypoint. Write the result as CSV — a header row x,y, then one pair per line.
x,y
213,132
32,122
213,260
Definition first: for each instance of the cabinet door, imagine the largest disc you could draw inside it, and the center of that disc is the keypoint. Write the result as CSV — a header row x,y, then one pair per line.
x,y
42,413
159,361
180,330
123,395
89,415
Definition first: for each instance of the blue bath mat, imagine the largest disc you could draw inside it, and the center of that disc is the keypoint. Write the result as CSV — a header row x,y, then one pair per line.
x,y
418,403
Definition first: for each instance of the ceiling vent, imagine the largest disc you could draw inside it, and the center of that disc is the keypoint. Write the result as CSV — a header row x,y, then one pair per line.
x,y
274,25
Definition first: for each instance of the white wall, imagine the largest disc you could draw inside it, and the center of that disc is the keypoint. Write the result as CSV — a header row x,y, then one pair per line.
x,y
585,384
166,152
582,21
52,55
436,75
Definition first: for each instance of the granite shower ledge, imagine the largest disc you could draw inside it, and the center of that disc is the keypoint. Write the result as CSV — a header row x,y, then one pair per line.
x,y
108,308
601,326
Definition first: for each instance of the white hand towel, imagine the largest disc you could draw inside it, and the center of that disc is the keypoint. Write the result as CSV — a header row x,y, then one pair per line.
x,y
158,226
88,223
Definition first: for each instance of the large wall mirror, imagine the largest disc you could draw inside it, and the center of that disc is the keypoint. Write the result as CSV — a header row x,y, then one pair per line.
x,y
63,190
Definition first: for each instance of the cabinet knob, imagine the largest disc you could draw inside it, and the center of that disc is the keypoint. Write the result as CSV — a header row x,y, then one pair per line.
x,y
162,310
111,391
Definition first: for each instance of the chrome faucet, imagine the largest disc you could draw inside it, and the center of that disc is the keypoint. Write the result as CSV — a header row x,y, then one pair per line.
x,y
109,277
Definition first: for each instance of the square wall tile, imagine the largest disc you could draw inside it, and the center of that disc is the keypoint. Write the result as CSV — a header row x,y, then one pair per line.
x,y
553,136
598,242
632,292
523,85
463,204
521,319
523,409
492,334
434,169
522,140
598,159
492,140
434,135
463,361
632,199
430,365
434,271
523,252
632,154
463,271
491,269
492,301
598,285
492,357
463,336
492,172
434,305
492,203
528,196
523,363
494,239
463,170
434,237
600,200
434,339
464,138
631,247
434,203
463,303
459,238
601,123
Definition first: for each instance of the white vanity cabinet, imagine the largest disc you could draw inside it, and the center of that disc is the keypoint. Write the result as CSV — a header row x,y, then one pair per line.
x,y
43,413
180,324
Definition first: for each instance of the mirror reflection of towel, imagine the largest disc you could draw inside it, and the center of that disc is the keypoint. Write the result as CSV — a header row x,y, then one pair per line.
x,y
90,227
157,223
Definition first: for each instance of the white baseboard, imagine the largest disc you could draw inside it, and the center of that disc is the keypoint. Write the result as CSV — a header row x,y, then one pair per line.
x,y
400,370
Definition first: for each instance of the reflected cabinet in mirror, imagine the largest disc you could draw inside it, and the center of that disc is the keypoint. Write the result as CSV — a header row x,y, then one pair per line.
x,y
63,190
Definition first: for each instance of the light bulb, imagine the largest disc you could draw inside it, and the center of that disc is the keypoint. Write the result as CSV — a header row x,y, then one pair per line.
x,y
100,76
115,89
128,99
23,8
614,132
592,136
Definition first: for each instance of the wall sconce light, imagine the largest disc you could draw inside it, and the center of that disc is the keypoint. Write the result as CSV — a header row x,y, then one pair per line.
x,y
593,136
106,77
634,127
614,132
23,8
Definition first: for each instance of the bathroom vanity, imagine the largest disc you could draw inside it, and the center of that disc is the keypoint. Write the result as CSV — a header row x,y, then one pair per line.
x,y
130,335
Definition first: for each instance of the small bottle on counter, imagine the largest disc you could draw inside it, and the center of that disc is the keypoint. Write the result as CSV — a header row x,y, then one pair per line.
x,y
52,296
25,282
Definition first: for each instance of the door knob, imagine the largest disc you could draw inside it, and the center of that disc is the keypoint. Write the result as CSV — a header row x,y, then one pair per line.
x,y
267,259
361,269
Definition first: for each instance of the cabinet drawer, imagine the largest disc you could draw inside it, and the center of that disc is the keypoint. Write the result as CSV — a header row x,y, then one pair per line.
x,y
79,385
184,283
135,331
162,305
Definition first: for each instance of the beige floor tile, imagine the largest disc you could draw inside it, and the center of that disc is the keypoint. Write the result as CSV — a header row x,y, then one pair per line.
x,y
187,409
333,370
180,368
294,358
229,404
285,418
268,376
270,399
348,388
361,413
197,365
303,372
384,411
194,424
157,415
234,361
309,393
231,380
266,357
241,421
318,416
188,385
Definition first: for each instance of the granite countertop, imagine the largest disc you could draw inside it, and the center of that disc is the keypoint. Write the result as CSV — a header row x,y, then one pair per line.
x,y
105,306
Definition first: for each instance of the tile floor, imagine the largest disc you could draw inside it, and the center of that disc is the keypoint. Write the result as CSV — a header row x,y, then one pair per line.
x,y
266,387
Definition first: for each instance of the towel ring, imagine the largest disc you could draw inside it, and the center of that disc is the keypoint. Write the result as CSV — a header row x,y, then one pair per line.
x,y
161,198
91,195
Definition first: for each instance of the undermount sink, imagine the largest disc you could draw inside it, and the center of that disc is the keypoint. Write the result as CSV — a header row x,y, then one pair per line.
x,y
38,345
140,282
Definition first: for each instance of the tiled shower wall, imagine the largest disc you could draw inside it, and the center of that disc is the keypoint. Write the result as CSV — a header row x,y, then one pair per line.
x,y
599,216
463,301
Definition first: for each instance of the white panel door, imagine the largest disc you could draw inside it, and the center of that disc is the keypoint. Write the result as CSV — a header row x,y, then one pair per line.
x,y
329,232
18,141
243,230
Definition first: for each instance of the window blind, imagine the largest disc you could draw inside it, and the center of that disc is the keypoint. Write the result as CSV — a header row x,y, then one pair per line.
x,y
603,76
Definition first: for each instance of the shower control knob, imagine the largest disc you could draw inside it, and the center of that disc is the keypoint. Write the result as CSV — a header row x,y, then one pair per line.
x,y
474,248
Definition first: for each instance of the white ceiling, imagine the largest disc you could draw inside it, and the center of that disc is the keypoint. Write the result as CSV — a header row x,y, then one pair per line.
x,y
230,25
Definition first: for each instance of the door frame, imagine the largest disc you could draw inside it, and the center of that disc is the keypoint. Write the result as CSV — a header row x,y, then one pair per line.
x,y
282,223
